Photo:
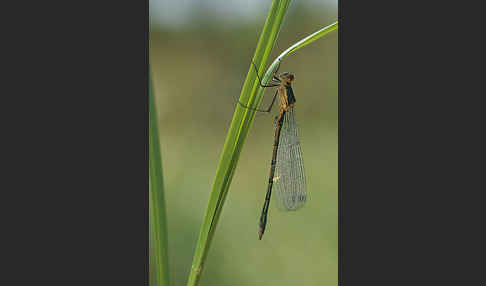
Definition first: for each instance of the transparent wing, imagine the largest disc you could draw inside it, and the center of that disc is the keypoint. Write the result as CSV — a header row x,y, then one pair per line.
x,y
289,179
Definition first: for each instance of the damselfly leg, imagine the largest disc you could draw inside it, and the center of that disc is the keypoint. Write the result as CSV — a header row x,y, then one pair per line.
x,y
276,82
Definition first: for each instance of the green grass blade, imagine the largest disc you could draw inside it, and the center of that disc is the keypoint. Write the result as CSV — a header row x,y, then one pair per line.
x,y
238,131
157,216
258,96
309,39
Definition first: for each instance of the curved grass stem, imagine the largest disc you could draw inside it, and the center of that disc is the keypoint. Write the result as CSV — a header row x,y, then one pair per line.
x,y
300,44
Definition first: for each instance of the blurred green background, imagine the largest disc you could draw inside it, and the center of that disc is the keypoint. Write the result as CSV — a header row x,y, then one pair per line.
x,y
199,57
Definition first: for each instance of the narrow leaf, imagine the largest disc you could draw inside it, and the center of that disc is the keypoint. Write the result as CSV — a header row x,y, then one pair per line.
x,y
157,216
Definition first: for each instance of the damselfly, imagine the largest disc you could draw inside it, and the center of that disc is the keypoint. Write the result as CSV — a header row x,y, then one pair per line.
x,y
287,168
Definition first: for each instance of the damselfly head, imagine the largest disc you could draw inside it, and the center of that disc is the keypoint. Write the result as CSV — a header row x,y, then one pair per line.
x,y
287,77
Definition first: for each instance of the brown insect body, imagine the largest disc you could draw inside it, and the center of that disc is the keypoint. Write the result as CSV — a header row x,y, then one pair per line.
x,y
287,101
